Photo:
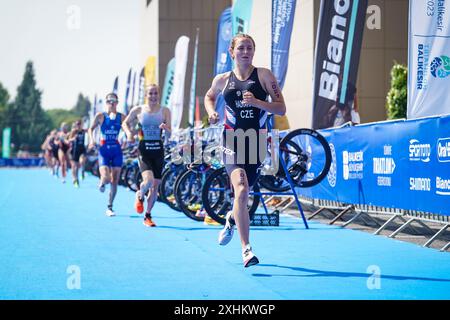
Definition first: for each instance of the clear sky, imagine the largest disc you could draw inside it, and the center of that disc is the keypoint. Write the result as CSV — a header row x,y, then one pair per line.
x,y
76,46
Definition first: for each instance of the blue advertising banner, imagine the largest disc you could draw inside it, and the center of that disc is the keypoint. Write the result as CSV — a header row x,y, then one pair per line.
x,y
338,47
398,164
22,162
224,35
283,12
223,58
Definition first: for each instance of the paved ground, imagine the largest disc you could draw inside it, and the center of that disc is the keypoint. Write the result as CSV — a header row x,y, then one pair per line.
x,y
56,243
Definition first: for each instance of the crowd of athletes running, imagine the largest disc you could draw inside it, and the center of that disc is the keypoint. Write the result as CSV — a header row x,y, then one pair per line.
x,y
246,90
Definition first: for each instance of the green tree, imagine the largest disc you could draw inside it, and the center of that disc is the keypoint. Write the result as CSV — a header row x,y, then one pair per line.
x,y
4,101
59,116
82,107
397,97
28,121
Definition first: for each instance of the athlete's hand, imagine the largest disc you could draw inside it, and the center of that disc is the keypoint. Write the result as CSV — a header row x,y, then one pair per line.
x,y
249,98
91,146
164,126
213,118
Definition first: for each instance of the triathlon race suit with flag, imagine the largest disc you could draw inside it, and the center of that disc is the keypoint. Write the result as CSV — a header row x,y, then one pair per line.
x,y
151,149
110,152
78,147
247,155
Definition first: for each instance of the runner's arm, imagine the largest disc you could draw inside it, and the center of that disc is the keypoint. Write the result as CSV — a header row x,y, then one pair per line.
x,y
211,95
128,121
97,119
270,84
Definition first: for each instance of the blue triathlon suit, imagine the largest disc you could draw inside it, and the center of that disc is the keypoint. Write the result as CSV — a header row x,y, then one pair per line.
x,y
245,117
110,152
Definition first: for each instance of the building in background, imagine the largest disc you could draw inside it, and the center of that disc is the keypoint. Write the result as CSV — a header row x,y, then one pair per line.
x,y
164,21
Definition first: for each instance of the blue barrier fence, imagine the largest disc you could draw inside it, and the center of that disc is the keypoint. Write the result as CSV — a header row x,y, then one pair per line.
x,y
22,162
395,164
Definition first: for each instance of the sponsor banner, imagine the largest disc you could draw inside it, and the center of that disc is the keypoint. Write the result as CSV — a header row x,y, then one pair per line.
x,y
223,58
150,73
338,47
283,12
94,108
168,83
429,58
116,85
400,164
133,90
177,96
6,143
141,87
241,14
127,92
22,162
224,35
193,83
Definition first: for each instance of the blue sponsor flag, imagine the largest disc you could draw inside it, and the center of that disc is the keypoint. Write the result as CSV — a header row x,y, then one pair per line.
x,y
283,12
224,35
223,58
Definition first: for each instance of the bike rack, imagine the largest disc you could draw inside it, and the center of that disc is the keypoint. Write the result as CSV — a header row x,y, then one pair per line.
x,y
292,193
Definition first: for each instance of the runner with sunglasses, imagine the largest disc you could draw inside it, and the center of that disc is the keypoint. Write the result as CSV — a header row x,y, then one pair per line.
x,y
110,155
245,90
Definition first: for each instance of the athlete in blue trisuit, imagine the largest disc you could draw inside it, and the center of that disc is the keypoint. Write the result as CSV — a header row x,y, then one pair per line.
x,y
110,156
151,119
245,90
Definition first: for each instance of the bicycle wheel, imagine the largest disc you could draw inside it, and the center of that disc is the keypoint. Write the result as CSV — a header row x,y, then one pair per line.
x,y
274,183
187,192
131,177
308,157
167,187
217,196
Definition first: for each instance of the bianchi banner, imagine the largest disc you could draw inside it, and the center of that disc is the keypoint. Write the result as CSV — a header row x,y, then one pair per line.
x,y
338,47
429,58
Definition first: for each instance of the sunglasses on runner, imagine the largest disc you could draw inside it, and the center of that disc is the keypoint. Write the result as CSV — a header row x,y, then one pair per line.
x,y
111,101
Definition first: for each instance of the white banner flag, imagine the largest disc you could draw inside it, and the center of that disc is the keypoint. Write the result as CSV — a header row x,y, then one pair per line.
x,y
177,96
429,58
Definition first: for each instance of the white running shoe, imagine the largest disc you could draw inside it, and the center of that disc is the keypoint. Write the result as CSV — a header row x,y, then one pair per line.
x,y
110,213
227,232
248,257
